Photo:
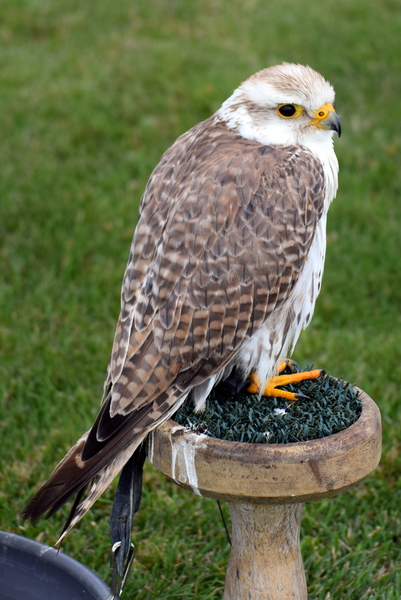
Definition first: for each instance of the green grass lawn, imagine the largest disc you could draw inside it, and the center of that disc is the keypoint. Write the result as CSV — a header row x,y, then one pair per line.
x,y
91,94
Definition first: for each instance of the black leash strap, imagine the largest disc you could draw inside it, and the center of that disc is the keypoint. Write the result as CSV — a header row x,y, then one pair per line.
x,y
126,504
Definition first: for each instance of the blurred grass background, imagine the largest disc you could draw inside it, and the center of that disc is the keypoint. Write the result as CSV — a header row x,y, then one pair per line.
x,y
91,94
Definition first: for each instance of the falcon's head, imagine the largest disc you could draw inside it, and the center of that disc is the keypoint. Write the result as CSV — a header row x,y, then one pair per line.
x,y
287,104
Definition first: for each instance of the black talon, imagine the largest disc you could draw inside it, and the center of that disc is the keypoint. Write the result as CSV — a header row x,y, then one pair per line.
x,y
292,363
301,397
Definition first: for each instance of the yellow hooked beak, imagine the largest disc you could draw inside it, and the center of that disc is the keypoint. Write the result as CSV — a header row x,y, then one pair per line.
x,y
326,118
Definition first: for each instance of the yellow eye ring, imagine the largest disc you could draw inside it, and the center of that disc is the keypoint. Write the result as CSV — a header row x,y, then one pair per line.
x,y
289,111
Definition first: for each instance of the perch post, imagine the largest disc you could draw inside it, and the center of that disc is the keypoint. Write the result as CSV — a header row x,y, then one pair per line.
x,y
266,486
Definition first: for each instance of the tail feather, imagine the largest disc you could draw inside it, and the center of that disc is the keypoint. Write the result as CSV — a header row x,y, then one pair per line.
x,y
77,501
64,482
71,477
75,471
89,478
98,485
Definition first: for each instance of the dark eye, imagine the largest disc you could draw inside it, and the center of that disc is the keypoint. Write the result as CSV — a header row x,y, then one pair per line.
x,y
287,110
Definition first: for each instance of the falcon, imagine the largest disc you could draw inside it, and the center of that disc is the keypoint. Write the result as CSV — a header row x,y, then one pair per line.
x,y
225,267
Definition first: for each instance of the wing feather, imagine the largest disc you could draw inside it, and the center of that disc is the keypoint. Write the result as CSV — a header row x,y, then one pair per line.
x,y
231,223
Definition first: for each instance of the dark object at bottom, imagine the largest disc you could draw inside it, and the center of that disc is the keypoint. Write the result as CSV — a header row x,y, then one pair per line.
x,y
33,571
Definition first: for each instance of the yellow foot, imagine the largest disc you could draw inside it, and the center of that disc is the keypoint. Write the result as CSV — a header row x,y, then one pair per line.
x,y
280,380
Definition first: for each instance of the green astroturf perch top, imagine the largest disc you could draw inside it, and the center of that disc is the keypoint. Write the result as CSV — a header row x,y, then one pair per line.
x,y
332,405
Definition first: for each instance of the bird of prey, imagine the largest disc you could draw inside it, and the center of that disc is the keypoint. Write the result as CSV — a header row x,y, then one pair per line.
x,y
225,267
